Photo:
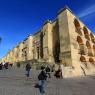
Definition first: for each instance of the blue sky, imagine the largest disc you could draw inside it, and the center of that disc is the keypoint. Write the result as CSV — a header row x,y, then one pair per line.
x,y
19,18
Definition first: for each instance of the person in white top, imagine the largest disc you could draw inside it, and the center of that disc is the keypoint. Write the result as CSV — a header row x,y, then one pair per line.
x,y
3,63
62,69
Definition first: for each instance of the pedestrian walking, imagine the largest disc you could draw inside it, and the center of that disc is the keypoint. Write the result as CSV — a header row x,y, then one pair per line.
x,y
28,69
53,68
3,64
42,77
62,70
6,65
48,71
58,73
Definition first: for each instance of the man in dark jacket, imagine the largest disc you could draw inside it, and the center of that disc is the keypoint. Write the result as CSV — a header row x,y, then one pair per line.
x,y
28,68
42,80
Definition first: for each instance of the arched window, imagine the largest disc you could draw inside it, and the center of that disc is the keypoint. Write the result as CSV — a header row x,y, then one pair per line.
x,y
82,49
92,37
91,60
82,59
86,33
89,48
77,26
88,45
79,40
94,50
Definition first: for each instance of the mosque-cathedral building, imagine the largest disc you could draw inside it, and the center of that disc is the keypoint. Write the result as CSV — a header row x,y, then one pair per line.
x,y
65,40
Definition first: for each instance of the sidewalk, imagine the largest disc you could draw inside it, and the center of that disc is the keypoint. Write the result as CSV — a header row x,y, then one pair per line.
x,y
14,82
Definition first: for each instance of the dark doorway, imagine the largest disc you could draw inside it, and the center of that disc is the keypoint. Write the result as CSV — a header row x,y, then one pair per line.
x,y
57,52
37,52
41,44
56,42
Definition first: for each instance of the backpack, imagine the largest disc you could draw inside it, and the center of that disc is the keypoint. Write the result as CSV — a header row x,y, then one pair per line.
x,y
42,76
37,85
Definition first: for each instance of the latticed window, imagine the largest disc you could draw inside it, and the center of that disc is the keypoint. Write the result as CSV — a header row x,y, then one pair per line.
x,y
91,60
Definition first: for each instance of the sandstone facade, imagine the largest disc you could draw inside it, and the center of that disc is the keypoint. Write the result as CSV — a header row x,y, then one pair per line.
x,y
65,40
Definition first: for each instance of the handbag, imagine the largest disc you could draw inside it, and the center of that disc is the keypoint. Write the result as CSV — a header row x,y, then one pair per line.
x,y
37,85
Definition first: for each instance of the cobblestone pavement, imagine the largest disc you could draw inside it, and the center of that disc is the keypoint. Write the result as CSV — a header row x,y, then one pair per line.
x,y
14,82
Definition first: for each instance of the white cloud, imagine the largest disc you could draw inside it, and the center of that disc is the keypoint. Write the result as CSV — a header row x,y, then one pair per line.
x,y
88,11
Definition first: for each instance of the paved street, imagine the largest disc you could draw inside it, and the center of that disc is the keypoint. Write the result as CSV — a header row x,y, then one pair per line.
x,y
14,82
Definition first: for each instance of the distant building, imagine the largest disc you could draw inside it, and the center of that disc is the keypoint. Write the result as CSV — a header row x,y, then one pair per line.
x,y
65,40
